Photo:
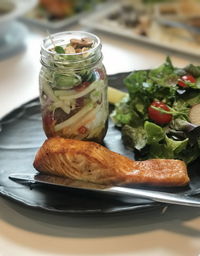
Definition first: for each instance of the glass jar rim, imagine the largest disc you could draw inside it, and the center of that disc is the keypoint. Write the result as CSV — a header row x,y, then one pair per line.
x,y
71,32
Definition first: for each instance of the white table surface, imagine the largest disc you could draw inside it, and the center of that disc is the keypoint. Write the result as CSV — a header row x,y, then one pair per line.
x,y
27,232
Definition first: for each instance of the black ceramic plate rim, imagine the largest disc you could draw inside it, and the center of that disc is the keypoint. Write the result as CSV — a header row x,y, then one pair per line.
x,y
134,208
22,201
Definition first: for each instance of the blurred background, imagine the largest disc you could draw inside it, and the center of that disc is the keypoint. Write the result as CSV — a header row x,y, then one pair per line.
x,y
136,34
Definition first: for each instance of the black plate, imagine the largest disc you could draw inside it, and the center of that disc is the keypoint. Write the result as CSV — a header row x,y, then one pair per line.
x,y
21,135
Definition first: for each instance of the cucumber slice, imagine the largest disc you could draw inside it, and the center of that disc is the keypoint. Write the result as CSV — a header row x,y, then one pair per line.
x,y
74,118
49,92
68,95
66,82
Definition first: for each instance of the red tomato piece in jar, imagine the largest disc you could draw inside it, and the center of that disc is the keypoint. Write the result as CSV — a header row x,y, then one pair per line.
x,y
157,116
82,86
83,130
186,78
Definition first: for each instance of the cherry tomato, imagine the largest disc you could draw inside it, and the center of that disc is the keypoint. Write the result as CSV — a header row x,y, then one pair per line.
x,y
156,115
82,129
82,86
186,78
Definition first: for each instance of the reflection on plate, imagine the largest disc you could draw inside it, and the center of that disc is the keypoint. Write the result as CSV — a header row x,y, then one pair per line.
x,y
20,137
13,40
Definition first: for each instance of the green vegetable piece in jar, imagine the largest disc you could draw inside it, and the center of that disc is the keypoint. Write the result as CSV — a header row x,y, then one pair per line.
x,y
66,82
59,49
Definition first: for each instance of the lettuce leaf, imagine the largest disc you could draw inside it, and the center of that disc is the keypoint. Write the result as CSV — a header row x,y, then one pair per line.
x,y
176,145
164,75
157,150
134,137
193,70
154,132
123,114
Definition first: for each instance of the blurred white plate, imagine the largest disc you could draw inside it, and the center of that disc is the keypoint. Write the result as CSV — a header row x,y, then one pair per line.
x,y
175,39
177,11
31,18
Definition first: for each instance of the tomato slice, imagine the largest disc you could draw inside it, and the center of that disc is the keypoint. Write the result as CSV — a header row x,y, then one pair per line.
x,y
82,86
82,129
186,78
156,115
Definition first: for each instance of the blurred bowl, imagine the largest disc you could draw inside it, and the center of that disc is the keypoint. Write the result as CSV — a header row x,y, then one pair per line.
x,y
10,10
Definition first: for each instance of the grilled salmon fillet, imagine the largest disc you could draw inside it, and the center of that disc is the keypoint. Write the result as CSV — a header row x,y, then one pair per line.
x,y
91,162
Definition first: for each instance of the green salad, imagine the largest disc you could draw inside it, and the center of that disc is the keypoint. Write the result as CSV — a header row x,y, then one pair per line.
x,y
160,117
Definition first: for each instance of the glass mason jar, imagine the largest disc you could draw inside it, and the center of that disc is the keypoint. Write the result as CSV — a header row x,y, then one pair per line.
x,y
73,87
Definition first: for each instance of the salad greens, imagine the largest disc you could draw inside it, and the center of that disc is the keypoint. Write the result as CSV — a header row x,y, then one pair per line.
x,y
155,116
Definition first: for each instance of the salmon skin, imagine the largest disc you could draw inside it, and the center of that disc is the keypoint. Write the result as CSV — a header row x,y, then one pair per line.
x,y
92,162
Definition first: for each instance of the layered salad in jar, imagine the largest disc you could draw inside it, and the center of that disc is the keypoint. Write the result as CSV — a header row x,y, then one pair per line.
x,y
73,88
